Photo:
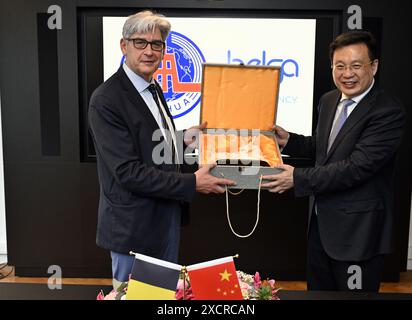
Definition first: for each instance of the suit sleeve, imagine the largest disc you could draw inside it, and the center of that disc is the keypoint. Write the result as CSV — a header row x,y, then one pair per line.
x,y
376,146
115,147
300,146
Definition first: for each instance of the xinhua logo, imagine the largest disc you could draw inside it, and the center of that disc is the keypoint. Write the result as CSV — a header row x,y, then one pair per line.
x,y
180,74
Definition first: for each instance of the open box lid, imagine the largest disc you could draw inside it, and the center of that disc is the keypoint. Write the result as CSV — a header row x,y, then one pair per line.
x,y
239,97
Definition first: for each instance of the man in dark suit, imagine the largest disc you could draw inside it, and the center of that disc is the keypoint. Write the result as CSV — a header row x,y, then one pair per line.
x,y
143,194
358,132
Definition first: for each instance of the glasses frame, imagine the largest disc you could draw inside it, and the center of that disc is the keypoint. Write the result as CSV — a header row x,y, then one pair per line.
x,y
147,43
350,67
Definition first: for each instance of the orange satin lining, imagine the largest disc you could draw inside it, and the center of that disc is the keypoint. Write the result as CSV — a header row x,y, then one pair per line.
x,y
216,147
236,97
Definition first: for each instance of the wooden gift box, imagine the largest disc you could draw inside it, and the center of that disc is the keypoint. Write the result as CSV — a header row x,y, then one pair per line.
x,y
239,104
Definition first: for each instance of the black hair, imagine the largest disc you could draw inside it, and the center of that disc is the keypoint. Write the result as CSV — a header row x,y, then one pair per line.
x,y
354,37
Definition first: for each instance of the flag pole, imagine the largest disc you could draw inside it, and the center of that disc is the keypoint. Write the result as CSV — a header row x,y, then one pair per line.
x,y
132,253
236,255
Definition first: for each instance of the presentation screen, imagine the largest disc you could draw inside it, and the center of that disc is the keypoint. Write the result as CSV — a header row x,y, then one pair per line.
x,y
287,43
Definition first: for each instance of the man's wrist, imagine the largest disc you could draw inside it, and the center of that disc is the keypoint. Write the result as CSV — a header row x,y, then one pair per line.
x,y
287,140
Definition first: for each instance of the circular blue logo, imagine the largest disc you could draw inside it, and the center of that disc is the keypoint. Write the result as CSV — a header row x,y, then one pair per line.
x,y
180,74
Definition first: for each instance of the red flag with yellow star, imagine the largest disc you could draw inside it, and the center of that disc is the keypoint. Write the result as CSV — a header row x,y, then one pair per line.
x,y
215,280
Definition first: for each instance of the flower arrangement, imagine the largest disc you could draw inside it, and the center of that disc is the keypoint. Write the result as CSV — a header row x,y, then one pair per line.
x,y
118,294
181,293
253,288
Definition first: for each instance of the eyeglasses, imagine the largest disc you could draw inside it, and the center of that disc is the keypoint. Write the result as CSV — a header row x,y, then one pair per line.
x,y
353,67
141,44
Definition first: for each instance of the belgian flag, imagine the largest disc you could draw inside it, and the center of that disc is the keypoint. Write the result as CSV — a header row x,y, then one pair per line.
x,y
152,279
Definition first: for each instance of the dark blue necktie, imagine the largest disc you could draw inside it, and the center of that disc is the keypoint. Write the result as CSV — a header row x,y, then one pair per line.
x,y
153,91
343,115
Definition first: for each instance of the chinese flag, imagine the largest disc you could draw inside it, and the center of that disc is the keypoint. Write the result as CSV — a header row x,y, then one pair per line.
x,y
215,280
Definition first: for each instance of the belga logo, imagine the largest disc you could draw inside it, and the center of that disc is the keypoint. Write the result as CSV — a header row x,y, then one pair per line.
x,y
180,74
289,67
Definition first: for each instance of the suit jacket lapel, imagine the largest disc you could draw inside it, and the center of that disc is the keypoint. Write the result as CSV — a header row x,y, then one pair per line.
x,y
137,102
357,114
325,121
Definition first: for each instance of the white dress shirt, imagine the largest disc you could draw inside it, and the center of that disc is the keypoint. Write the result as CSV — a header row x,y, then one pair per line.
x,y
357,99
142,86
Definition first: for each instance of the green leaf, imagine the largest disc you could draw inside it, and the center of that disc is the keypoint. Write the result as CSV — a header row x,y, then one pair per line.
x,y
265,293
122,287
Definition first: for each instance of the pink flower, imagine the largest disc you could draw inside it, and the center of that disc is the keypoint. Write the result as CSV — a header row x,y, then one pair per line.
x,y
180,284
189,294
179,290
180,294
257,283
100,296
272,283
111,295
275,291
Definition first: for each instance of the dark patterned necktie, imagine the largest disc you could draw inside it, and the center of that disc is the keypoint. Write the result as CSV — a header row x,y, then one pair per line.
x,y
153,91
343,115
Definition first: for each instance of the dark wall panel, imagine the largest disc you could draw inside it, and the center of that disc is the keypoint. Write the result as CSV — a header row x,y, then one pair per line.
x,y
48,87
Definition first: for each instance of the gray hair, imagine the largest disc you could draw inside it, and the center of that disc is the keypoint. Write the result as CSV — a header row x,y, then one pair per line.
x,y
146,21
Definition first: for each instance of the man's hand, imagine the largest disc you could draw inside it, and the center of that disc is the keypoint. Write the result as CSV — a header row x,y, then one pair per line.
x,y
206,183
280,182
191,137
282,136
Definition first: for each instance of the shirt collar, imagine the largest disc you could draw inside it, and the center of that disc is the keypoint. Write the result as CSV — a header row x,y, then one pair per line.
x,y
138,82
361,96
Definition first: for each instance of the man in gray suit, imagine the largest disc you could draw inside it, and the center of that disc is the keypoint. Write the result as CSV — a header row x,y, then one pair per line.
x,y
358,133
142,201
